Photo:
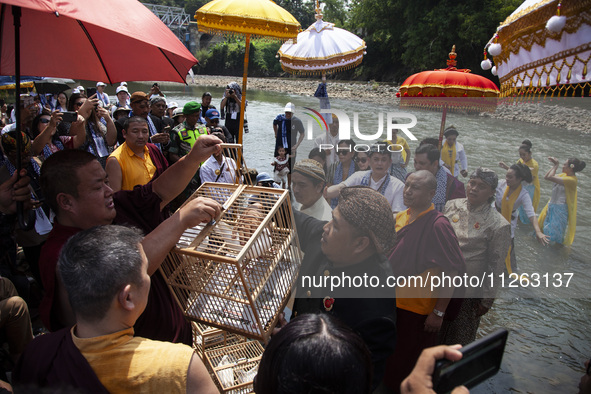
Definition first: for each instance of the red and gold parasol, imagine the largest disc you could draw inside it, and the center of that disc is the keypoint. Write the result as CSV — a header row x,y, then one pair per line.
x,y
449,89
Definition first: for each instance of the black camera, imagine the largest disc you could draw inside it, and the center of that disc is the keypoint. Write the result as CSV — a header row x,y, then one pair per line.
x,y
231,91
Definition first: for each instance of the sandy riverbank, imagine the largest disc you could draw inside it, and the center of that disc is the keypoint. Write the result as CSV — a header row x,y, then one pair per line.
x,y
555,113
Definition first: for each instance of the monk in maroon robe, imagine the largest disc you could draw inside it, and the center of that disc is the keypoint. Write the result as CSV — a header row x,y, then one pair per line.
x,y
426,244
77,189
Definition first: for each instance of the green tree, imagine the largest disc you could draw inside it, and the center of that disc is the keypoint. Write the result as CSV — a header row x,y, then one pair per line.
x,y
405,37
302,10
193,5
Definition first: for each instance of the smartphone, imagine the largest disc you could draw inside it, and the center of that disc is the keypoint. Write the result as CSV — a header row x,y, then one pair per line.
x,y
482,359
69,116
90,92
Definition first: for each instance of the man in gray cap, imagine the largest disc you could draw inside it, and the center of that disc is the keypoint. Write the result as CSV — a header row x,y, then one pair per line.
x,y
353,244
140,106
307,183
158,109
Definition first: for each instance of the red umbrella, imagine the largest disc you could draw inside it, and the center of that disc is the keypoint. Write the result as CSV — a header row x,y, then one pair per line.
x,y
101,40
449,88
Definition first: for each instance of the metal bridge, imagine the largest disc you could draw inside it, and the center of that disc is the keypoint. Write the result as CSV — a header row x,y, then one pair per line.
x,y
175,18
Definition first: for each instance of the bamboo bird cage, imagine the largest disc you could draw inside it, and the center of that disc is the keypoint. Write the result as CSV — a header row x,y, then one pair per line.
x,y
234,367
234,152
236,272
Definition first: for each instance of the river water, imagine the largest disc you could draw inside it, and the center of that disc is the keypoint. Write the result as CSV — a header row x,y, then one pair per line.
x,y
549,331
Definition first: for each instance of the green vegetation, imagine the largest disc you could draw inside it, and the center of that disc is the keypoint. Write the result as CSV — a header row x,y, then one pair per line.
x,y
402,36
227,58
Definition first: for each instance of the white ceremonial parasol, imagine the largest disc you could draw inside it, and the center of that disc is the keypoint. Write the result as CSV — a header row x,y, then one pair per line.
x,y
322,48
542,48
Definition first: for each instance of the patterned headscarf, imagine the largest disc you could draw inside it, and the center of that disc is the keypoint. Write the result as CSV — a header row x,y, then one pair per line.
x,y
310,168
371,214
487,176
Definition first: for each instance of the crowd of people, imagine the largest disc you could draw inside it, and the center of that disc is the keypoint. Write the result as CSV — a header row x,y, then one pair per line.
x,y
91,166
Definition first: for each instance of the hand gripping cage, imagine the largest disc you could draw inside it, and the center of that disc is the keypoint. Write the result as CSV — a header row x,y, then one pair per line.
x,y
236,272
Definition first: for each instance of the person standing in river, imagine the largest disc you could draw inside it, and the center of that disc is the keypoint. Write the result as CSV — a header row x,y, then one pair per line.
x,y
453,153
484,237
533,188
230,108
558,219
510,196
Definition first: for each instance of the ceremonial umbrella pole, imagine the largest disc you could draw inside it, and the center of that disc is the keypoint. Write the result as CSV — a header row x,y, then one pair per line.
x,y
449,89
253,18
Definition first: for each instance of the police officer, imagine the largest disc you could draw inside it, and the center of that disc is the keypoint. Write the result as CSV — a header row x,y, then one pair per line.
x,y
184,135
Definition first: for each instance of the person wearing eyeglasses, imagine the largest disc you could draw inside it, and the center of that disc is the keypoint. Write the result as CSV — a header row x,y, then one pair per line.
x,y
101,132
342,169
47,141
362,161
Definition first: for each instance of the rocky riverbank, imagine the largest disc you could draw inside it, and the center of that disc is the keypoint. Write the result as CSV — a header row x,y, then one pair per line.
x,y
556,113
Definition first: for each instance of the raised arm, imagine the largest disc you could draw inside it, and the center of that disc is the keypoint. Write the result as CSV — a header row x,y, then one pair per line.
x,y
503,165
162,239
44,137
111,135
174,180
551,174
78,132
333,191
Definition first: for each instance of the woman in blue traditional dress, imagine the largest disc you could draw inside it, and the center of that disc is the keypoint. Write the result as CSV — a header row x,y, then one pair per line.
x,y
558,219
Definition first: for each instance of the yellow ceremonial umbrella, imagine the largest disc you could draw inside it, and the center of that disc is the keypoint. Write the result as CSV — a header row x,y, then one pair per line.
x,y
258,18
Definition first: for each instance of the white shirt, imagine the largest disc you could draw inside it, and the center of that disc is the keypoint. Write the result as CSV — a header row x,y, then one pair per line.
x,y
558,195
393,192
328,139
319,210
104,97
523,199
227,174
461,160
